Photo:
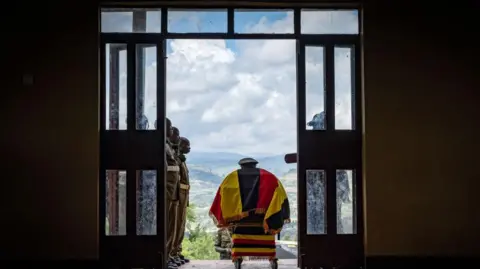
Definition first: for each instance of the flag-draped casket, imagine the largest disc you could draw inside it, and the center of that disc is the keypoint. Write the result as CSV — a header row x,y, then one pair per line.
x,y
254,200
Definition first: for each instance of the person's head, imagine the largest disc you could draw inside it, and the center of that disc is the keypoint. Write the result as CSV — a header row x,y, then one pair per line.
x,y
168,128
184,145
248,163
318,121
174,138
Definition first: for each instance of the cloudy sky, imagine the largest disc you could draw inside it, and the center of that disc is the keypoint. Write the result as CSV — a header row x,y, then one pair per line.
x,y
239,95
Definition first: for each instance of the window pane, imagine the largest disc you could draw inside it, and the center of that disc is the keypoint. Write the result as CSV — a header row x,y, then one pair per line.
x,y
263,21
343,89
346,200
197,21
116,202
130,20
116,86
329,21
146,87
315,88
147,202
316,201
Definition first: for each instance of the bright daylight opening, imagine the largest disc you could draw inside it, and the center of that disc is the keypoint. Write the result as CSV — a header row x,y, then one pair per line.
x,y
231,99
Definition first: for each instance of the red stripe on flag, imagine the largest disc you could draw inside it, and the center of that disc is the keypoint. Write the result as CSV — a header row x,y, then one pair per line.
x,y
216,208
268,184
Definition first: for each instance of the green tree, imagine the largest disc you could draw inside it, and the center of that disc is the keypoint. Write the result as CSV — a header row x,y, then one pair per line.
x,y
191,213
200,243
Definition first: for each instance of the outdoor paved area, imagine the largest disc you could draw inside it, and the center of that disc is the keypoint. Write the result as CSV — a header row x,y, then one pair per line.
x,y
283,264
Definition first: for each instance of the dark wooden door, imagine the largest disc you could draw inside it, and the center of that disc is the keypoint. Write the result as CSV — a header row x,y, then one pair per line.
x,y
330,155
132,150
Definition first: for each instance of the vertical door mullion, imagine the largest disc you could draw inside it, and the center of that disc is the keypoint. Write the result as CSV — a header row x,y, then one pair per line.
x,y
160,133
331,203
329,76
301,186
358,129
131,128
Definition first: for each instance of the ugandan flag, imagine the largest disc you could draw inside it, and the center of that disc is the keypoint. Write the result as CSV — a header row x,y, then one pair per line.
x,y
251,195
252,242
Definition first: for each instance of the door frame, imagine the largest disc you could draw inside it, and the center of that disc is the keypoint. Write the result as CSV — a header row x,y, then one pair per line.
x,y
330,150
132,150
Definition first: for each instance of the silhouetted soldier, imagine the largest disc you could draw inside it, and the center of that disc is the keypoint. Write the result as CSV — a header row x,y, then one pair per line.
x,y
173,180
175,139
223,244
318,121
183,148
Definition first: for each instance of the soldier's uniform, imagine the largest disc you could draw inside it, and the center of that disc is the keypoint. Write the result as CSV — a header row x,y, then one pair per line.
x,y
184,188
173,175
223,244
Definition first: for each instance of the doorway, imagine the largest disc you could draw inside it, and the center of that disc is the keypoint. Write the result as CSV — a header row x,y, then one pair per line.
x,y
132,189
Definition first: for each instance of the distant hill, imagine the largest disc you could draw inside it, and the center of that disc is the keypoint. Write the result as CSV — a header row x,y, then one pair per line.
x,y
222,163
207,176
214,157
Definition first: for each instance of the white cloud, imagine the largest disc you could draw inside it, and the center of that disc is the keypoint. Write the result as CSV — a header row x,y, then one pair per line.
x,y
242,99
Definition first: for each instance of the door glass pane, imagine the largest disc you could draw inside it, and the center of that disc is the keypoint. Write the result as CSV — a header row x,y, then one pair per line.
x,y
116,202
146,202
129,20
344,88
315,88
316,201
146,87
329,21
197,21
116,86
346,200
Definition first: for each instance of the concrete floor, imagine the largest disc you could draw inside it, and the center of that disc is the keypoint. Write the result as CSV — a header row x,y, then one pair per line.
x,y
283,264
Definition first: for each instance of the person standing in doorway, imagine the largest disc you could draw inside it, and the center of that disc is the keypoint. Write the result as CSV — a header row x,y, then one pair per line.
x,y
183,149
173,181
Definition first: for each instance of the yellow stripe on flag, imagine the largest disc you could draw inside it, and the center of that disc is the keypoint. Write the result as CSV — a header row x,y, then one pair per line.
x,y
231,202
278,198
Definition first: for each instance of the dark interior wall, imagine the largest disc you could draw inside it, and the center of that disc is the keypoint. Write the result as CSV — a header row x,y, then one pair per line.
x,y
51,136
421,131
420,137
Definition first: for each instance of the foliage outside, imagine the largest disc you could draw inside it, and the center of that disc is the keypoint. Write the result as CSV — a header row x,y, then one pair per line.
x,y
199,244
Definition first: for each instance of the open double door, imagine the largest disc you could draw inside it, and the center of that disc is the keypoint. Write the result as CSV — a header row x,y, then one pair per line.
x,y
132,187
